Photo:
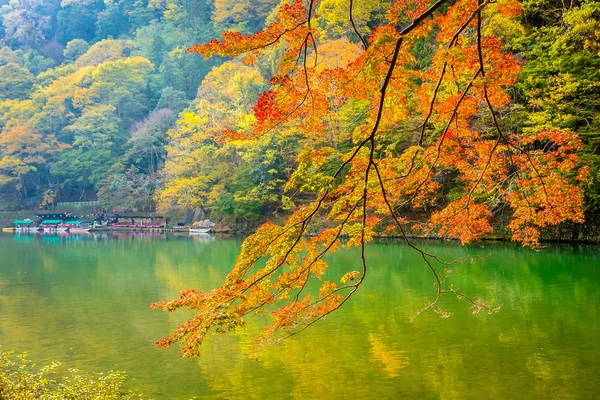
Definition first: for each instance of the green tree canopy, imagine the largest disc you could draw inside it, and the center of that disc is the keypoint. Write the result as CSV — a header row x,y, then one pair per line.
x,y
15,82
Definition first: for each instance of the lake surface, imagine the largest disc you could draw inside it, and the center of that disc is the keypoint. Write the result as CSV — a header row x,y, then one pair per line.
x,y
84,300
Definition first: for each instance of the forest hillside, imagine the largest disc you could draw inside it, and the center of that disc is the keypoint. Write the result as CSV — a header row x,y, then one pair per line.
x,y
101,100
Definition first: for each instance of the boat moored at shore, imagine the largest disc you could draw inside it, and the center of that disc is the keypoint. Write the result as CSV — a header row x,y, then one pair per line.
x,y
25,225
199,230
78,226
54,225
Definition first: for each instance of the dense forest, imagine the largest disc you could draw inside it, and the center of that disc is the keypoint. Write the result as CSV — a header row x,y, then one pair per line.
x,y
100,99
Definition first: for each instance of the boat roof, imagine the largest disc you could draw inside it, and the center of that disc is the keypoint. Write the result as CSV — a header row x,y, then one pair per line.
x,y
139,216
51,221
24,221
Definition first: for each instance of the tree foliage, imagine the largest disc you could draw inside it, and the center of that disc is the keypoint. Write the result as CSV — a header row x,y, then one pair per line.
x,y
15,81
198,169
561,80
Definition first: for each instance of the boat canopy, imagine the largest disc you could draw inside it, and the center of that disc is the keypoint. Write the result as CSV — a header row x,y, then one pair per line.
x,y
75,222
52,222
23,222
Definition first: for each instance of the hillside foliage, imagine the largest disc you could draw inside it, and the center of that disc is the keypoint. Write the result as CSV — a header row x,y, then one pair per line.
x,y
102,100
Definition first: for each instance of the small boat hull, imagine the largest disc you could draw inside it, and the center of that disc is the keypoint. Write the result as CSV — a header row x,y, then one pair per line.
x,y
8,229
59,229
22,230
79,230
199,230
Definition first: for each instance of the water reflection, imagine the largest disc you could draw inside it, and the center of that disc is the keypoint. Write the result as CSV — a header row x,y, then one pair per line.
x,y
394,361
85,300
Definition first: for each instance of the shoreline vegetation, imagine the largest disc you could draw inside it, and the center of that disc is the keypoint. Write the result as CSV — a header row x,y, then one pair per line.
x,y
21,379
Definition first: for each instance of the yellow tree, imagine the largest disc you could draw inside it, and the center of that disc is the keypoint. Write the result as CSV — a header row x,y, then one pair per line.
x,y
197,161
24,156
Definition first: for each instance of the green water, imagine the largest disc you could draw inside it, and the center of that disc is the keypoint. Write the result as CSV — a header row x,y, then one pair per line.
x,y
85,301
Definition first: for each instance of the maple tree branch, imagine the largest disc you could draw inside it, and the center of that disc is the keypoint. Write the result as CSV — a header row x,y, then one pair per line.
x,y
417,21
441,142
310,11
458,89
319,318
328,247
363,261
371,137
353,286
431,106
424,256
364,43
405,236
493,113
481,70
501,136
276,39
363,186
452,42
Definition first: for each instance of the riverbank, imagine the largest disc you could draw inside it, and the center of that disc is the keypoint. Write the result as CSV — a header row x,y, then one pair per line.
x,y
569,232
588,232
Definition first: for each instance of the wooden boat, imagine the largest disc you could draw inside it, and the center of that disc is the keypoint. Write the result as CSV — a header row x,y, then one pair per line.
x,y
202,227
8,229
79,230
54,225
78,226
